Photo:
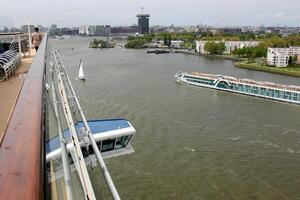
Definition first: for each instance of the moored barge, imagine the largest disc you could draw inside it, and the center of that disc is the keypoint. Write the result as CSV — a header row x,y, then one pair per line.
x,y
274,91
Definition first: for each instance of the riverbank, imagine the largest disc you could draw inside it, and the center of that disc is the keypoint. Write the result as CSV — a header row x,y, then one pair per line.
x,y
289,71
242,63
228,57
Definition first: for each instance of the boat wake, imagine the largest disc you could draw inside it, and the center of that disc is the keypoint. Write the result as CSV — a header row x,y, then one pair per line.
x,y
189,149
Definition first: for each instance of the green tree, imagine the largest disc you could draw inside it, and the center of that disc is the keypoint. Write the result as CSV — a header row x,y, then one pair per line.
x,y
169,40
295,59
165,40
130,37
137,43
214,48
221,47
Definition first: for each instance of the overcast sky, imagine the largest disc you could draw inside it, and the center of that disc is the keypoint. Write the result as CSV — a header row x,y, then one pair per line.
x,y
163,12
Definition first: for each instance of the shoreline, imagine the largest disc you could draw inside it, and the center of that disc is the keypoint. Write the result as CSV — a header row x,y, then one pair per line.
x,y
238,63
288,71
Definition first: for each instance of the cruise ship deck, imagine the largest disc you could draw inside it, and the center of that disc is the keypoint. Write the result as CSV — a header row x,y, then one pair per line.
x,y
10,90
22,124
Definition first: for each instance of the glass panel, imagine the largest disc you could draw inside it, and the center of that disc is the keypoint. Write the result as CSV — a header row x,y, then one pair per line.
x,y
108,145
91,150
85,153
123,141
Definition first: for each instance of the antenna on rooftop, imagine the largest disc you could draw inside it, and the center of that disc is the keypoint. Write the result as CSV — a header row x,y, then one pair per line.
x,y
142,10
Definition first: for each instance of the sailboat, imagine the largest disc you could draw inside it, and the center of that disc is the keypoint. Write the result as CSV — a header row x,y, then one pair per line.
x,y
81,75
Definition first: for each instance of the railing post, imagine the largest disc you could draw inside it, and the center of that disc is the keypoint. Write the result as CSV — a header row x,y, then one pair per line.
x,y
19,43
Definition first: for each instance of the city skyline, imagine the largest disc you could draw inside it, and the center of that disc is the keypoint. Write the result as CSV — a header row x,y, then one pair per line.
x,y
189,12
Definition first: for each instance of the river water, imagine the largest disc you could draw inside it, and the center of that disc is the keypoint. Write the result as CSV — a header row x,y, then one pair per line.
x,y
191,143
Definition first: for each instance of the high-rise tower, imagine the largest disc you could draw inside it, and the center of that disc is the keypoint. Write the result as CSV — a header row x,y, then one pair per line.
x,y
143,23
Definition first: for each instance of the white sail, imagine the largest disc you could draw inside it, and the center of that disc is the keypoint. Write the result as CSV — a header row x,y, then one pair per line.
x,y
81,72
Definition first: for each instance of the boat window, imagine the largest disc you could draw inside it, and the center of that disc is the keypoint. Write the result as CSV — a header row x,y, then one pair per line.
x,y
123,141
85,153
99,145
91,150
108,145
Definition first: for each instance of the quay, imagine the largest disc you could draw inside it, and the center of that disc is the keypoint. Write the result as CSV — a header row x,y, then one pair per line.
x,y
274,91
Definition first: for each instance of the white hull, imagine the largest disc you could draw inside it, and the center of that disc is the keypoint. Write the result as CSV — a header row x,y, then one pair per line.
x,y
182,79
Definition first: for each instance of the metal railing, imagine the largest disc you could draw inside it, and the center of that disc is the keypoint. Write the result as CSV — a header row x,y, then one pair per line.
x,y
21,149
9,62
13,48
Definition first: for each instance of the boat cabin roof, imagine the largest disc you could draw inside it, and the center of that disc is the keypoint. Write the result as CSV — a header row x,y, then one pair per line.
x,y
96,126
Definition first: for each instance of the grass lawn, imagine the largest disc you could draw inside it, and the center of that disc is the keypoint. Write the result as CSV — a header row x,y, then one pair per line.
x,y
290,71
225,56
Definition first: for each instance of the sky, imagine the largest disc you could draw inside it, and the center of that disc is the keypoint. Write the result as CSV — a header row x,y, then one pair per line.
x,y
70,13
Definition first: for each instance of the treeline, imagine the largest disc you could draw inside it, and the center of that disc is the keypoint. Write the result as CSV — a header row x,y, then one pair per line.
x,y
251,52
215,48
278,41
227,37
99,44
268,40
135,43
139,41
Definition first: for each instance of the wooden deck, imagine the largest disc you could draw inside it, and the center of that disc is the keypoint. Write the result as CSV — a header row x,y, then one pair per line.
x,y
10,90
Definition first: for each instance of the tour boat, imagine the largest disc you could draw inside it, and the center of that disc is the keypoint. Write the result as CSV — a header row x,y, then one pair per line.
x,y
280,92
112,136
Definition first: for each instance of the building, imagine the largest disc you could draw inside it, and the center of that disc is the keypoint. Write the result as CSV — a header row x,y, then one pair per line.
x,y
124,30
279,57
100,30
53,26
84,30
107,29
143,23
92,30
177,44
24,28
230,46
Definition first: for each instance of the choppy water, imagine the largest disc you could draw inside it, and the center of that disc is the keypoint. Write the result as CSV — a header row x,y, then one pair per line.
x,y
191,143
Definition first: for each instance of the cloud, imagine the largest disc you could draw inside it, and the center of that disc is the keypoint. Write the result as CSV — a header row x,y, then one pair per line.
x,y
278,15
73,13
262,16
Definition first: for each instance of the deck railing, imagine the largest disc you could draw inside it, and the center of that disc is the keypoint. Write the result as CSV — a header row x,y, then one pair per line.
x,y
21,149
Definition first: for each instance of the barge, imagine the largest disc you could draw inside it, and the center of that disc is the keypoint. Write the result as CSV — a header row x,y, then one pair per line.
x,y
268,90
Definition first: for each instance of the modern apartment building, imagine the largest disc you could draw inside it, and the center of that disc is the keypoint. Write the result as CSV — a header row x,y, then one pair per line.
x,y
84,30
279,57
230,46
95,30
